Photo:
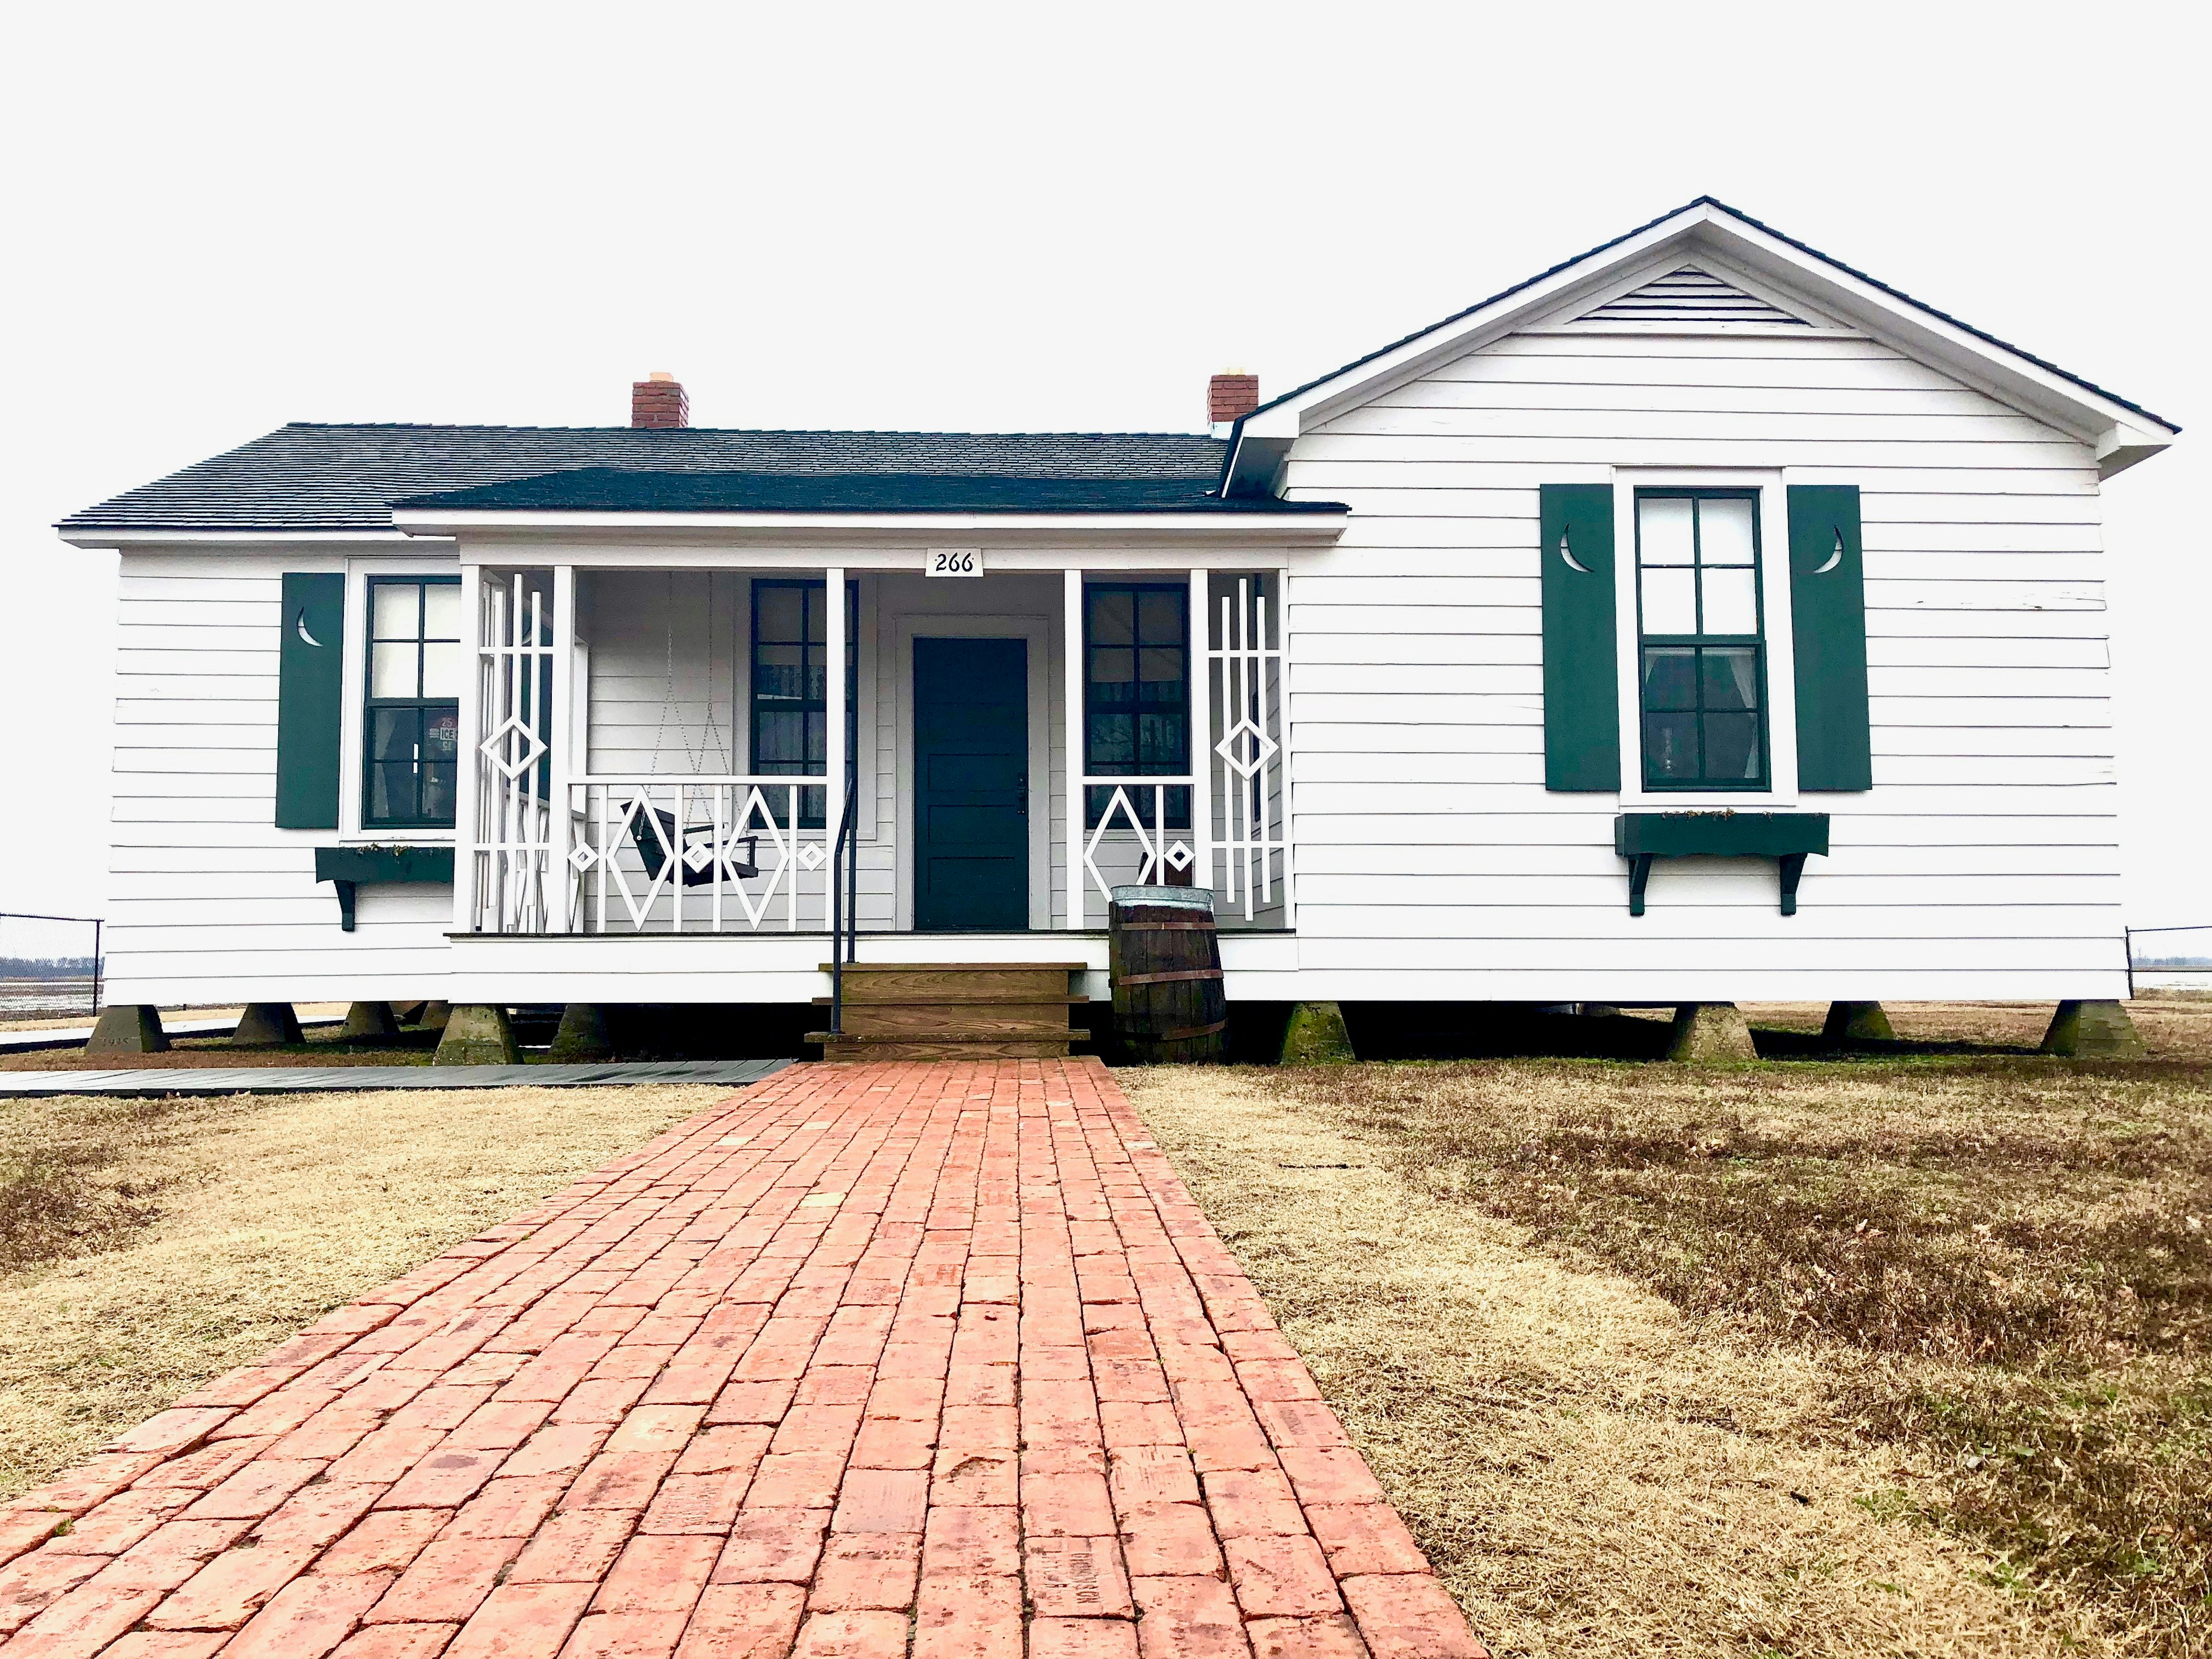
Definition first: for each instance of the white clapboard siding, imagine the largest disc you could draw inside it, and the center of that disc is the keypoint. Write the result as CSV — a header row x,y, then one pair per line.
x,y
128,864
1900,591
1953,739
208,902
1984,860
1763,942
1891,712
147,664
1980,860
1376,436
163,714
1851,898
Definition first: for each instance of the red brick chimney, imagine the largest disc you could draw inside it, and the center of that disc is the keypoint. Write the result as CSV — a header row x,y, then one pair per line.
x,y
1231,397
658,401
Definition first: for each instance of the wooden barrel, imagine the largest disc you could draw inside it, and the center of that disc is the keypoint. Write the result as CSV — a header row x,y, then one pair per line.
x,y
1165,960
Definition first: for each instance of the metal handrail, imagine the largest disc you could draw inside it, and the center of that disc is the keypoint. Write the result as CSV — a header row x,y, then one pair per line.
x,y
844,901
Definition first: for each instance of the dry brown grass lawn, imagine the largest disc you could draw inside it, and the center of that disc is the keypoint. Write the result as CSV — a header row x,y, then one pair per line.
x,y
148,1245
322,1047
1904,1358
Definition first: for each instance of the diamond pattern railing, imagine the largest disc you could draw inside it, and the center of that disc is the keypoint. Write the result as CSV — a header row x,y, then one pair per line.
x,y
694,854
1250,843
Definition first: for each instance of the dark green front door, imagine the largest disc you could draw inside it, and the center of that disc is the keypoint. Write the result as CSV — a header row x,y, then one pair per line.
x,y
971,749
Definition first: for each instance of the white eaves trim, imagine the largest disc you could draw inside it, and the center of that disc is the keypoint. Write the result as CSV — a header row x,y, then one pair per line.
x,y
2120,436
915,529
368,541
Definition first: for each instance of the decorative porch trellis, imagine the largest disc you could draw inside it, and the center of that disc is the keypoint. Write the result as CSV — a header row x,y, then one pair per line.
x,y
551,847
1238,843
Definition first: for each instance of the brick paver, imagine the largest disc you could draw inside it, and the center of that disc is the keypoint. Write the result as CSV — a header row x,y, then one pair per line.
x,y
927,1359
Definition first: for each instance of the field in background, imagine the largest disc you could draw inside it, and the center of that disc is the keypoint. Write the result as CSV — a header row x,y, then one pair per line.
x,y
2175,1024
148,1245
1868,1357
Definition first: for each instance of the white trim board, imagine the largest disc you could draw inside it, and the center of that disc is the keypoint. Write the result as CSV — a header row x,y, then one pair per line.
x,y
1780,639
1036,632
1703,232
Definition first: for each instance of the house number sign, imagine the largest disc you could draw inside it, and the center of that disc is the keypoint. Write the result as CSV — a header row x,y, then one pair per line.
x,y
956,560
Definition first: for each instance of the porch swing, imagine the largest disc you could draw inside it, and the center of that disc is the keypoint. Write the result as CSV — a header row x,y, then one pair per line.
x,y
701,860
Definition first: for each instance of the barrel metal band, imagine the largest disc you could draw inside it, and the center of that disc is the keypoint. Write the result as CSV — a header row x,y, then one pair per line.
x,y
1167,927
1168,979
1181,1032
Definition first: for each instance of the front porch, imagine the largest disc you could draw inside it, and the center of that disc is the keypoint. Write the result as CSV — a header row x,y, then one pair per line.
x,y
710,749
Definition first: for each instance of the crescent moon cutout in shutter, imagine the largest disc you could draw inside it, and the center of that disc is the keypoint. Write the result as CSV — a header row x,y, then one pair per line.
x,y
1835,559
302,624
1567,553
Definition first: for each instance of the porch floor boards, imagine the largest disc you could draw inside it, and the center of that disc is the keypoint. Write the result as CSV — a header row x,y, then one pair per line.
x,y
938,1360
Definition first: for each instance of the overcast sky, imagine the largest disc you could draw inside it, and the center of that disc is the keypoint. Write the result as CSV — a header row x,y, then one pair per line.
x,y
220,218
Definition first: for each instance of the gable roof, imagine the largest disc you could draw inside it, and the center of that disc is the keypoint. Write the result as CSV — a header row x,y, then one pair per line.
x,y
615,489
2122,432
310,478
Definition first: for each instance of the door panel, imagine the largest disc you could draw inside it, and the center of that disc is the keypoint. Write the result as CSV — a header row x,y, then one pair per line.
x,y
971,790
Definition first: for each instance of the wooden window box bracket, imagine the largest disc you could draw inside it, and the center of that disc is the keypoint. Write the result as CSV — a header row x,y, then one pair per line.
x,y
1788,838
350,869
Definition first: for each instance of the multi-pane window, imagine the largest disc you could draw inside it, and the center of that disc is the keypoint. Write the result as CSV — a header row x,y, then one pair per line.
x,y
1703,671
791,684
415,669
1137,693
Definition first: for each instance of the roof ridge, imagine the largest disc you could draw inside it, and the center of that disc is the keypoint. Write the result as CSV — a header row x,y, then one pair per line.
x,y
1756,224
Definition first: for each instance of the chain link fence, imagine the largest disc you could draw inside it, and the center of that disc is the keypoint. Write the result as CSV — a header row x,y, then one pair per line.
x,y
2169,958
50,968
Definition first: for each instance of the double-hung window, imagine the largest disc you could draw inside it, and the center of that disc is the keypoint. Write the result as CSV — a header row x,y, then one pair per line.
x,y
1701,644
1136,644
791,684
413,712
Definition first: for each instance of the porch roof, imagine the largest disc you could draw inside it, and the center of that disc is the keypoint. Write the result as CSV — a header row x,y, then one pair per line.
x,y
616,489
308,476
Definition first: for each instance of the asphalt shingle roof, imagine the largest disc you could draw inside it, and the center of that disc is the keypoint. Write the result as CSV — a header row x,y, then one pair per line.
x,y
310,477
615,489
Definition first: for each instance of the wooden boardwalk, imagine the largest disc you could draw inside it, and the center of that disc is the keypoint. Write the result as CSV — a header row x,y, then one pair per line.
x,y
937,1360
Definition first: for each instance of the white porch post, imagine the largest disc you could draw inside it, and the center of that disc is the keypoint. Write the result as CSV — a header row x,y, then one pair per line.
x,y
1078,892
559,876
833,799
1197,675
468,761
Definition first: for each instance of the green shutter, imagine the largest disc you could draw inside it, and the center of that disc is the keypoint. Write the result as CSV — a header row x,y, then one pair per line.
x,y
310,702
1827,611
1582,651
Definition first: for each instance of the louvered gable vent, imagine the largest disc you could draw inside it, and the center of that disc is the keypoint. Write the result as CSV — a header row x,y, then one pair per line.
x,y
1688,298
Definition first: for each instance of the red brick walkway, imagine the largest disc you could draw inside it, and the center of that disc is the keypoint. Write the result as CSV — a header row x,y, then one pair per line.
x,y
870,1359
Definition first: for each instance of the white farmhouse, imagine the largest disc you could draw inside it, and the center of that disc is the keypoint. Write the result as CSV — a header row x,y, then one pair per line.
x,y
1700,621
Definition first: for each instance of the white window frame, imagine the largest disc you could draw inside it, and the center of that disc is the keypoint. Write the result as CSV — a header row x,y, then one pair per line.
x,y
1781,792
862,645
353,724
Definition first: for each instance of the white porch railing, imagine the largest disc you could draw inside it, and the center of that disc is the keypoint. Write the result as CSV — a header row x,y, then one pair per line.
x,y
1133,834
696,855
504,788
1237,840
548,846
1250,837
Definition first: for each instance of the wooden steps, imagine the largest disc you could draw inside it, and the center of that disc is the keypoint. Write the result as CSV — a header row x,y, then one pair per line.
x,y
953,1011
